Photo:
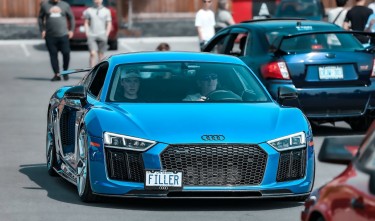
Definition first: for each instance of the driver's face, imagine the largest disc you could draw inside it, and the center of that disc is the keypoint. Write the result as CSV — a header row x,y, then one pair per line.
x,y
208,84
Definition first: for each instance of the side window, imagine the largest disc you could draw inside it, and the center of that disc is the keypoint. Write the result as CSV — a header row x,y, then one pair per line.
x,y
238,44
218,45
98,79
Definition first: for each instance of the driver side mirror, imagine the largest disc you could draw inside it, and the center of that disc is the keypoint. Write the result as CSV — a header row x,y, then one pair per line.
x,y
76,93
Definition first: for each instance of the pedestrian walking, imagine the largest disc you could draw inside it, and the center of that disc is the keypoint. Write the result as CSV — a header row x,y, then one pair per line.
x,y
337,15
357,17
205,23
98,25
223,16
53,24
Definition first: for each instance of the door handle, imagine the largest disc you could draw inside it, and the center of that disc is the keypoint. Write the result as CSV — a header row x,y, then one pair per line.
x,y
357,203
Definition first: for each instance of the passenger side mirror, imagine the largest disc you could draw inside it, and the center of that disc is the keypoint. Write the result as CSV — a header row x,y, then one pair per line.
x,y
339,150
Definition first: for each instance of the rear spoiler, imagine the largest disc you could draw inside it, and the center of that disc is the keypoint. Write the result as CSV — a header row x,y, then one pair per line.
x,y
278,41
73,71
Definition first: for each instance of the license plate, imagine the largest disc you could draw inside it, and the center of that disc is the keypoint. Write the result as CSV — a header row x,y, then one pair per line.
x,y
163,180
331,73
82,28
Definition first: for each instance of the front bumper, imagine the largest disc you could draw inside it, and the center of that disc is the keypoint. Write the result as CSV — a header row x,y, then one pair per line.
x,y
101,184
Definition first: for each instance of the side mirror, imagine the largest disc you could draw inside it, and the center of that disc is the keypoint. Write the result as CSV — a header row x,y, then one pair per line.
x,y
339,150
76,93
287,93
372,183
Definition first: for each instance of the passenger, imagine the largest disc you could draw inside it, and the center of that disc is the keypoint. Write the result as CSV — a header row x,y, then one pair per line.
x,y
207,82
130,80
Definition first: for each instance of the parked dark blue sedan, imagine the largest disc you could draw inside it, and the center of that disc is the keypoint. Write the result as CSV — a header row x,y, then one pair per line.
x,y
331,70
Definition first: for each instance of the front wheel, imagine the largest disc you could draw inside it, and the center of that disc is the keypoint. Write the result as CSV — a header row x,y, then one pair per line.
x,y
83,170
50,148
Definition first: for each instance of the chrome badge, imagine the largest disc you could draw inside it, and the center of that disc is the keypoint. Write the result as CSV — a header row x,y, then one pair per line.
x,y
213,137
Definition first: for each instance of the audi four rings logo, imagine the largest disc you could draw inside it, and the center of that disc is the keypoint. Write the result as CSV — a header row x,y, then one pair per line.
x,y
213,137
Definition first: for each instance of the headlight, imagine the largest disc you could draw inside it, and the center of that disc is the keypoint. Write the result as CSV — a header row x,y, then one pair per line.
x,y
125,142
293,141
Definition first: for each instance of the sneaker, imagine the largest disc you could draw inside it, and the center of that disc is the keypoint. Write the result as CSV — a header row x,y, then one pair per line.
x,y
56,78
66,77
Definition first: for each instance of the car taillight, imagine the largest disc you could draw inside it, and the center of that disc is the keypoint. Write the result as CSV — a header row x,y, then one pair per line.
x,y
276,70
373,69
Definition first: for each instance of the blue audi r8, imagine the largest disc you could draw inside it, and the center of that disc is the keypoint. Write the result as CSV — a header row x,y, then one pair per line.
x,y
178,124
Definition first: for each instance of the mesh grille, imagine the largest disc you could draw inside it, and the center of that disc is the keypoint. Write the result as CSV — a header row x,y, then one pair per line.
x,y
292,165
216,165
67,128
124,165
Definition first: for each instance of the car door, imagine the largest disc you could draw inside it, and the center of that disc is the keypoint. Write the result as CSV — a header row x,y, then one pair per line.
x,y
72,110
355,190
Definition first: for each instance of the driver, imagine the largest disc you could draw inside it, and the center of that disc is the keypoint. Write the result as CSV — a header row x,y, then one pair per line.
x,y
207,82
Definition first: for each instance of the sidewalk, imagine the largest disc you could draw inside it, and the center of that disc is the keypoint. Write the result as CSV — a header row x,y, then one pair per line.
x,y
27,28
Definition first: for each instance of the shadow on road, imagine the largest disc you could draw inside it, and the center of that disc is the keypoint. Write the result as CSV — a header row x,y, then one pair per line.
x,y
45,79
59,189
42,47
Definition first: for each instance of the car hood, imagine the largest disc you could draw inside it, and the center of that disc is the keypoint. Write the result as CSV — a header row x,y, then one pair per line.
x,y
186,123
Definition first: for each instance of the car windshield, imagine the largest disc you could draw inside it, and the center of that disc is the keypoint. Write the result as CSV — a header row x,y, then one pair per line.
x,y
345,42
87,3
176,82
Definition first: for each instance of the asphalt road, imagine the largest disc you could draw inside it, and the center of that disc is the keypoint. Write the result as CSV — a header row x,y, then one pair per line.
x,y
28,193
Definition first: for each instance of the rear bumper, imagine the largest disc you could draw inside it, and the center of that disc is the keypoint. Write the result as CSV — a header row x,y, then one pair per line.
x,y
333,102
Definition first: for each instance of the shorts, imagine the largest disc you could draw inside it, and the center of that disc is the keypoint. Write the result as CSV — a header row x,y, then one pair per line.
x,y
97,43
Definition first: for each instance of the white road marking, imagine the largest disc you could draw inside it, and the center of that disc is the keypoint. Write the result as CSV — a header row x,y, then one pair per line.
x,y
127,47
25,50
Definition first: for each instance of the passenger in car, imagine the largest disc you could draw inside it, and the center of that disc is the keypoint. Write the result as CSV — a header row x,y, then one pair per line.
x,y
207,82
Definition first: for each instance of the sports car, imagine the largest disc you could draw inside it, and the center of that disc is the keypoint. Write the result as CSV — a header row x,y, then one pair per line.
x,y
178,124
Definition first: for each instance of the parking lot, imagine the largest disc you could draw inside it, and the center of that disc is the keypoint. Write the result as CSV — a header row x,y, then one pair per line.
x,y
28,193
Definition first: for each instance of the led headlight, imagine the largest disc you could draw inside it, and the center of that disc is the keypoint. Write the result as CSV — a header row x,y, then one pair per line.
x,y
126,142
293,141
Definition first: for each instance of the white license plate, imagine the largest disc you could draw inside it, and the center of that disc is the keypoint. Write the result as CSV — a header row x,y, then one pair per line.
x,y
82,29
331,72
163,180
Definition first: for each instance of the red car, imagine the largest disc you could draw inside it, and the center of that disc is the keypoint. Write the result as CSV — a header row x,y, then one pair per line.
x,y
78,6
351,195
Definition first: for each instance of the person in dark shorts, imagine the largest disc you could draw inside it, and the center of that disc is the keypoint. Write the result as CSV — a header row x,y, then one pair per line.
x,y
53,25
98,24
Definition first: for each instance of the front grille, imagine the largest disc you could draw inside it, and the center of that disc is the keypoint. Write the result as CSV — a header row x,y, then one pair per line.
x,y
216,165
292,165
124,165
67,129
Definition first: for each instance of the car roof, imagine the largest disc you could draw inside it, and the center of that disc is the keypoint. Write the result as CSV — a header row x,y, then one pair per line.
x,y
277,24
172,56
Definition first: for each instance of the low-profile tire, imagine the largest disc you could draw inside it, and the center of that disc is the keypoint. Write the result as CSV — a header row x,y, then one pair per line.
x,y
113,44
83,170
50,148
360,124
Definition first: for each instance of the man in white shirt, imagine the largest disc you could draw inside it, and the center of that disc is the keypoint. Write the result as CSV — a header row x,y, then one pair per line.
x,y
205,22
98,24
